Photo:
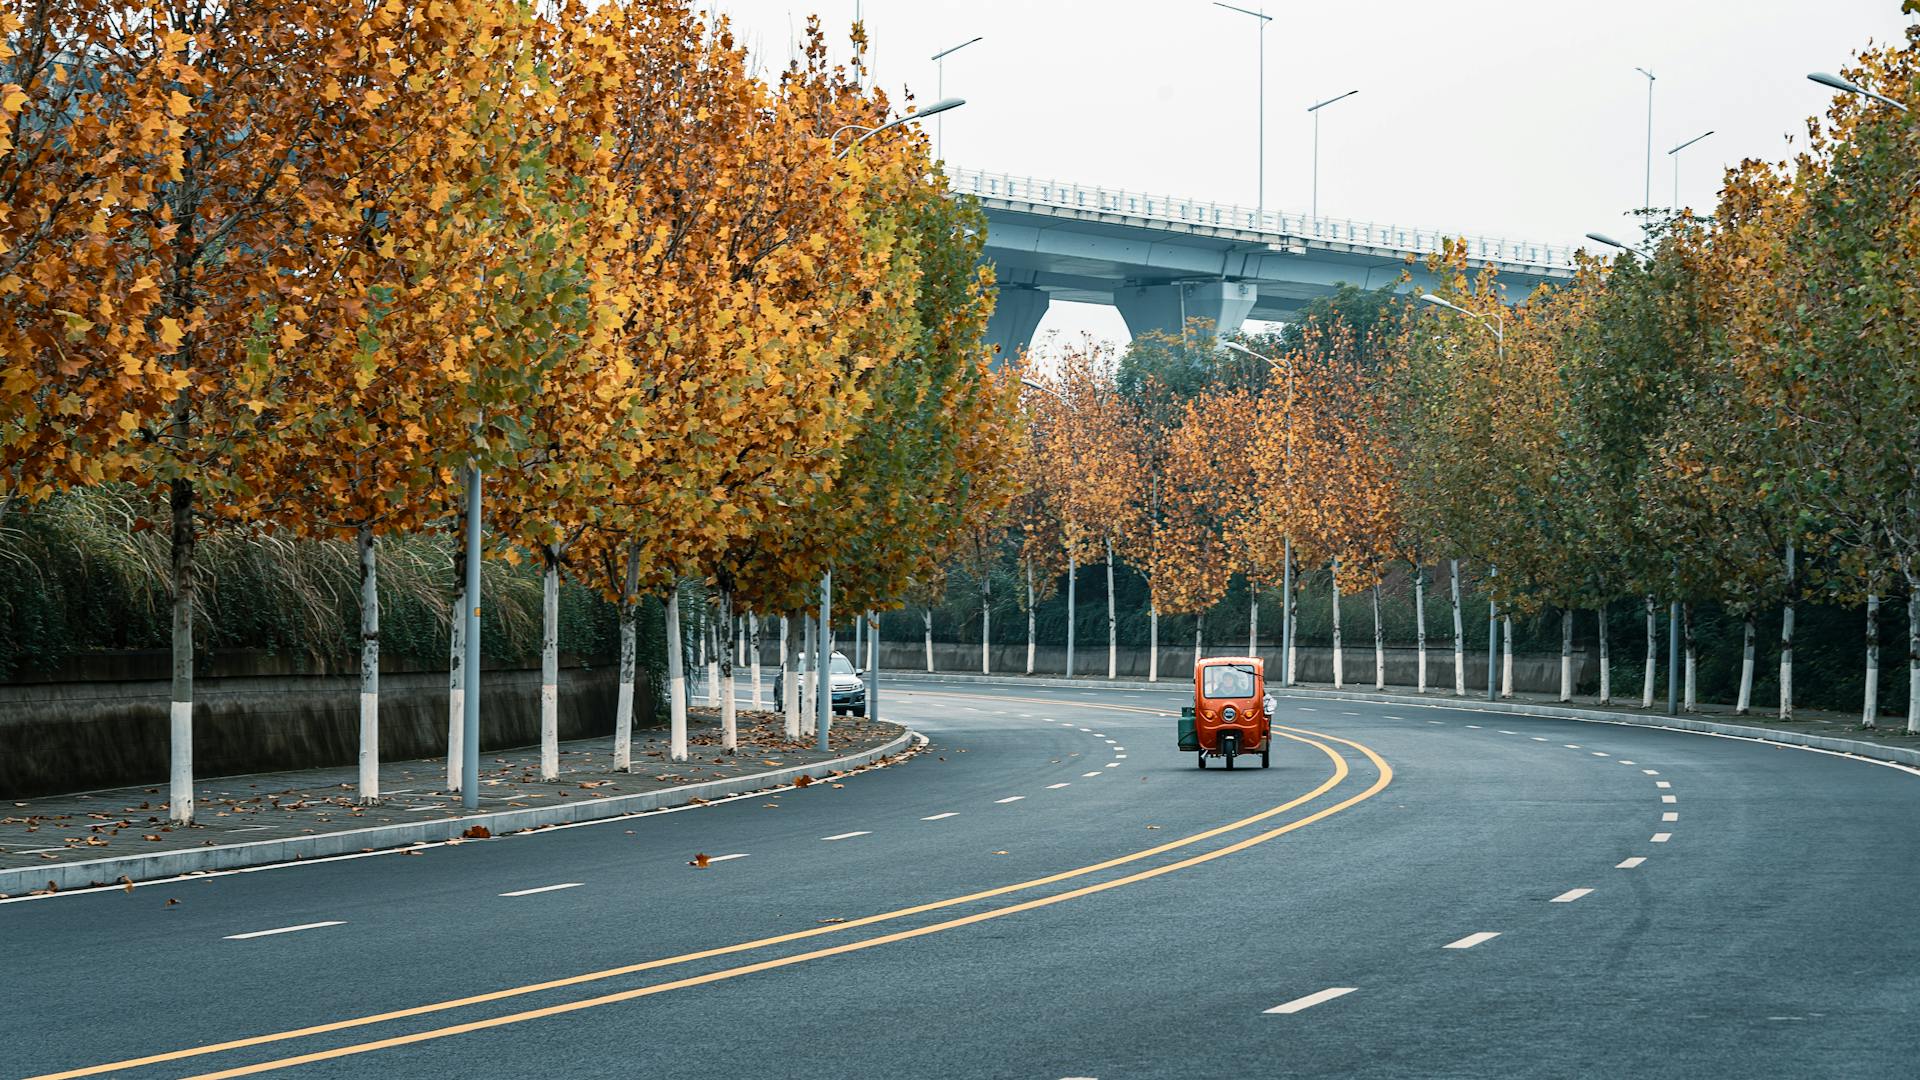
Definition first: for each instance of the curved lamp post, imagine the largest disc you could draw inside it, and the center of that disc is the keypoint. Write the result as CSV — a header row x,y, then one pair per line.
x,y
1838,83
1286,571
869,132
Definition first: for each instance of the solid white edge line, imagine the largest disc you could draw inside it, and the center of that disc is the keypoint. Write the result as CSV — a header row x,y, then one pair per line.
x,y
919,741
1310,1000
545,888
1471,940
1569,896
282,930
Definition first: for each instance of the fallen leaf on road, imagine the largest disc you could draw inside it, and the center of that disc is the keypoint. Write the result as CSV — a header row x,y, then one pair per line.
x,y
999,853
1153,826
700,861
802,780
171,903
477,832
127,882
833,919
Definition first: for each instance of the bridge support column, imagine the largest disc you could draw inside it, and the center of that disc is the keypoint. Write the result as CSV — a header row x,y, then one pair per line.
x,y
1167,308
1017,310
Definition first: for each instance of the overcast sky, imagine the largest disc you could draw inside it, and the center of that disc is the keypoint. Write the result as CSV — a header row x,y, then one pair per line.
x,y
1499,117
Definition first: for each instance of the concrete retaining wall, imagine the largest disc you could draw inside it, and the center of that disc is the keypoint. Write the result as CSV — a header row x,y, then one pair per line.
x,y
57,737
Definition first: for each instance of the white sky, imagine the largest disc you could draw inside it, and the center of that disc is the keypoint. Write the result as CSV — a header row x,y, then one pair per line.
x,y
1499,117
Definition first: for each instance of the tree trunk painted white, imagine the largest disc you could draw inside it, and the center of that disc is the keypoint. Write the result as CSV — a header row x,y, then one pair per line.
x,y
1506,657
550,663
1459,633
1153,643
859,640
789,679
456,688
753,658
1420,625
1030,618
1686,642
1566,655
1870,698
729,707
629,645
1744,703
1339,654
873,665
712,644
1113,621
740,641
986,627
1379,644
1199,648
1253,620
1606,658
1073,608
1913,654
1786,644
927,621
369,665
676,679
1653,642
809,678
700,670
180,703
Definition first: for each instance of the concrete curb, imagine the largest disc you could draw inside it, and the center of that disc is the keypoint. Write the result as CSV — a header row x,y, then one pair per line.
x,y
289,849
1899,755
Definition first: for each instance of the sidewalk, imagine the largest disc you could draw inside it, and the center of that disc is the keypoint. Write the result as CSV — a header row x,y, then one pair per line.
x,y
1840,732
103,836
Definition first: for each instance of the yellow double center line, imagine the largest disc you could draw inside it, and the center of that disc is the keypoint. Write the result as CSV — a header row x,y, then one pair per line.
x,y
1340,773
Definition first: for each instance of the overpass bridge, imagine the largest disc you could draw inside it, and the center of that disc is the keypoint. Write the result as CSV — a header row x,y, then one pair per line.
x,y
1162,260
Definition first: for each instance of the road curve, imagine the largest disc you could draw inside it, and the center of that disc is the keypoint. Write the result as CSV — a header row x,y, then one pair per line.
x,y
1052,890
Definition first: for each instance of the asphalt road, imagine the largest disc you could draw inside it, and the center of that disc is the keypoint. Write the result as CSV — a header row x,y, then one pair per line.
x,y
1052,890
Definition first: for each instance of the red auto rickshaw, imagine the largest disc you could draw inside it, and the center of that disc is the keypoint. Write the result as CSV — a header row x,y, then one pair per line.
x,y
1231,712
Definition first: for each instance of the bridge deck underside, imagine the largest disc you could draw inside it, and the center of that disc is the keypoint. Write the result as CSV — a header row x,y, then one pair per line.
x,y
1083,257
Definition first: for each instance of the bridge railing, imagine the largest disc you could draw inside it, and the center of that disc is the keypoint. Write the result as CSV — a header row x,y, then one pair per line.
x,y
991,185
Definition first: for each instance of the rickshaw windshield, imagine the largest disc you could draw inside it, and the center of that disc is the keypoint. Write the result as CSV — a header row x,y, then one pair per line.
x,y
1227,681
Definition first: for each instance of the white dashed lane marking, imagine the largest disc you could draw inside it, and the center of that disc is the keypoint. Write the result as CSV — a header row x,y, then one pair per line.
x,y
1649,772
1569,896
1662,783
1311,1000
1670,816
1629,864
942,817
1058,786
1010,798
544,888
1669,798
727,858
848,835
282,930
1662,837
1471,940
1085,775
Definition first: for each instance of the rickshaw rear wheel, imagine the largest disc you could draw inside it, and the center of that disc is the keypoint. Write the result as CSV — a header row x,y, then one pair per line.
x,y
1263,758
1230,758
1201,756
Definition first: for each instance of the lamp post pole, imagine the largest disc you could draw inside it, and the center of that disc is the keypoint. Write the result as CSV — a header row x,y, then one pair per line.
x,y
1646,195
1675,155
1315,110
1260,197
1286,570
1498,326
940,92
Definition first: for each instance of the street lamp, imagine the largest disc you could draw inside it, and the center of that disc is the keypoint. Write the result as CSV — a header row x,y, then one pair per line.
x,y
940,91
1646,196
1286,571
1260,198
1499,346
869,132
1315,110
1603,238
1838,83
1674,153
